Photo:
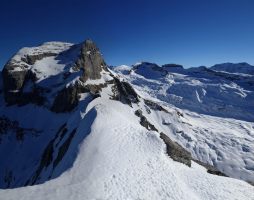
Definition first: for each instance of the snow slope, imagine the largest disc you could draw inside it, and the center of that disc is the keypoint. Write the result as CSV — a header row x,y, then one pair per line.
x,y
243,68
100,148
199,90
119,159
208,106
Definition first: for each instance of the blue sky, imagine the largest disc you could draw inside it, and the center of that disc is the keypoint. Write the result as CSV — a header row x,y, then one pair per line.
x,y
188,32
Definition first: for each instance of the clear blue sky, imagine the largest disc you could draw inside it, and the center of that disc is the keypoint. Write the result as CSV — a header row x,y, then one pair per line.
x,y
188,32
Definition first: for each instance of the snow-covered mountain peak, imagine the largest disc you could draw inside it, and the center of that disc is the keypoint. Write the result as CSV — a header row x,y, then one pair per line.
x,y
37,74
149,70
72,128
243,68
24,55
146,65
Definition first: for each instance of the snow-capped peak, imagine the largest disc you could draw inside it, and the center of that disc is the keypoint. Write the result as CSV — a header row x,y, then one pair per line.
x,y
243,68
46,48
71,128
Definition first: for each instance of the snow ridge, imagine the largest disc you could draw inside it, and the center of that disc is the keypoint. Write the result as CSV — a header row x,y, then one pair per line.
x,y
103,138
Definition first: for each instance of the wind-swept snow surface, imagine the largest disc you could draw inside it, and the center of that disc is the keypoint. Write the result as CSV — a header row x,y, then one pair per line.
x,y
121,160
243,68
73,129
208,104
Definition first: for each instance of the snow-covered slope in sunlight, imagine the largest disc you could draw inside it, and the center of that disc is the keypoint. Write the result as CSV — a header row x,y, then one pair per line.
x,y
119,159
198,89
204,101
40,109
72,128
243,68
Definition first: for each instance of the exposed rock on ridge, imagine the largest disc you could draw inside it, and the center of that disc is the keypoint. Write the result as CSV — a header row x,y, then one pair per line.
x,y
174,150
90,61
19,71
124,92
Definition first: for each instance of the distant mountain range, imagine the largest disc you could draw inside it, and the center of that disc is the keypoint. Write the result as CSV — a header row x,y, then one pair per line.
x,y
243,68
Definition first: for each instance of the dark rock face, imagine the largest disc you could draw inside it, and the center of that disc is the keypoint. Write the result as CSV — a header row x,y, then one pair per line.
x,y
175,151
154,106
31,59
16,76
124,92
210,169
95,89
90,61
144,122
67,99
14,81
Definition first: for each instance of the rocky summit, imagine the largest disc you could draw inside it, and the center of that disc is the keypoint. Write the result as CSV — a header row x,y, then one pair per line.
x,y
23,76
70,123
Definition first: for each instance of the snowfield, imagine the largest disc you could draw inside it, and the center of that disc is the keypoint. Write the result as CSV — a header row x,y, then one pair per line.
x,y
243,68
196,89
128,162
207,130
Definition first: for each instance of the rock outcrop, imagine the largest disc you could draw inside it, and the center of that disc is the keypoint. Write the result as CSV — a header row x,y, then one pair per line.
x,y
174,150
19,73
90,61
210,169
144,122
67,99
14,82
124,92
15,76
31,59
154,106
